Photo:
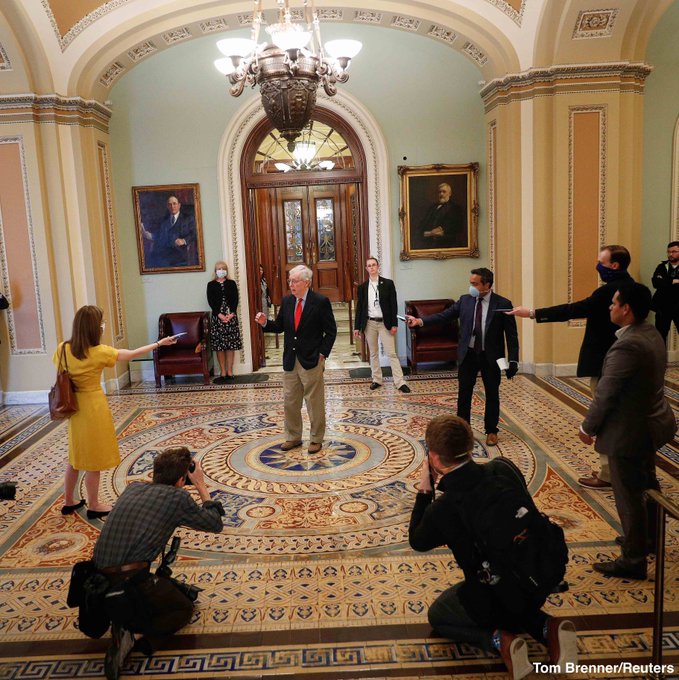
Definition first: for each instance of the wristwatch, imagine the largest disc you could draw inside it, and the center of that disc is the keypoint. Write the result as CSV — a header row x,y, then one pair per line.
x,y
531,314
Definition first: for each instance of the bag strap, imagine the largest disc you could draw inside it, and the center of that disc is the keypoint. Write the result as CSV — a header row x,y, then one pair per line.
x,y
62,358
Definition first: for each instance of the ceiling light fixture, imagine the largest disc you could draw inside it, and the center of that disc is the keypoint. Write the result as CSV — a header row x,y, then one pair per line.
x,y
290,70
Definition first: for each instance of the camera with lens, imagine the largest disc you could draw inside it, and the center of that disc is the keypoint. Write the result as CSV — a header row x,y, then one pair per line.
x,y
192,468
8,491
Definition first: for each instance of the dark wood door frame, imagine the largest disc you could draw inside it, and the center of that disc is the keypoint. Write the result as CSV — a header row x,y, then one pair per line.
x,y
250,180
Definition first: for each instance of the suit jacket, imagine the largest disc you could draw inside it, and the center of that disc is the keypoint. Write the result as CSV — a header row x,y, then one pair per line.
x,y
214,296
666,296
165,252
599,329
451,218
315,335
629,410
388,304
499,328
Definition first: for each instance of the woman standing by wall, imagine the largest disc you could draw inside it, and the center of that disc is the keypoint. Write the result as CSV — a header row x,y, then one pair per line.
x,y
222,296
92,442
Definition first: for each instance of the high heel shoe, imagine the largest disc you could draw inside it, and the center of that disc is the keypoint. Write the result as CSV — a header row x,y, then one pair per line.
x,y
70,509
97,514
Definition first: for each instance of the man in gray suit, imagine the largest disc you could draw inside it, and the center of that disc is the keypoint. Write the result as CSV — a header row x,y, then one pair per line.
x,y
629,419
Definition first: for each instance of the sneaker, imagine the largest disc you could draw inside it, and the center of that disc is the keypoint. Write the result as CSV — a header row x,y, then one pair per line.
x,y
562,643
122,641
514,652
405,389
593,482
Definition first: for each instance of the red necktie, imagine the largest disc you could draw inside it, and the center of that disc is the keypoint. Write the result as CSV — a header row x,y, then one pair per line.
x,y
298,312
478,330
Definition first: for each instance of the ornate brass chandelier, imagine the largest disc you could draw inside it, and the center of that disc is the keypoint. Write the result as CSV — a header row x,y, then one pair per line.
x,y
290,70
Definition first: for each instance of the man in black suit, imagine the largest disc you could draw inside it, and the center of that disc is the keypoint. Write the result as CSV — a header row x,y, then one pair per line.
x,y
174,244
376,319
484,329
599,331
665,301
310,330
443,226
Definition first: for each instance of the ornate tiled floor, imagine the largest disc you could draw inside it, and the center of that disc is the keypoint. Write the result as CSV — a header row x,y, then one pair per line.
x,y
312,576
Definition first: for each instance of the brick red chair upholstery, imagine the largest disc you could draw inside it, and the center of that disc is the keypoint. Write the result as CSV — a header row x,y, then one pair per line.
x,y
431,343
191,354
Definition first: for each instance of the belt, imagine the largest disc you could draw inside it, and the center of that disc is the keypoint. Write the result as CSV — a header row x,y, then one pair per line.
x,y
379,319
132,566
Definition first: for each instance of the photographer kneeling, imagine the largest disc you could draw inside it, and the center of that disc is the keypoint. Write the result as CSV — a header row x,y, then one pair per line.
x,y
137,530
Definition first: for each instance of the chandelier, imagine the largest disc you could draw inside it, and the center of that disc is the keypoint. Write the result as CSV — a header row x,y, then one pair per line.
x,y
290,70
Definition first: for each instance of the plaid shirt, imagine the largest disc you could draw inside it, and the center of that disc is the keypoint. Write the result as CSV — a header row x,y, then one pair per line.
x,y
145,517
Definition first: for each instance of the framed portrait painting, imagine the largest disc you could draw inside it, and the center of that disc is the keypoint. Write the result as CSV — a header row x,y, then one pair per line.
x,y
169,228
439,211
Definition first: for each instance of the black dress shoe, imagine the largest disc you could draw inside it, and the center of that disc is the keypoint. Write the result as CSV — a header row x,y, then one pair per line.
x,y
374,386
220,380
405,389
614,569
97,514
70,509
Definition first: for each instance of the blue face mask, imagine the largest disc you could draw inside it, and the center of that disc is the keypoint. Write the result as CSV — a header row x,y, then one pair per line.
x,y
474,292
606,273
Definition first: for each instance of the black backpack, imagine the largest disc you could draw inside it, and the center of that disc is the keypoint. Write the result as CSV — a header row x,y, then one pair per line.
x,y
522,553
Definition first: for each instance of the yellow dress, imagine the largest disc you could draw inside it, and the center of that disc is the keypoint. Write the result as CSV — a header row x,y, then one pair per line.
x,y
92,441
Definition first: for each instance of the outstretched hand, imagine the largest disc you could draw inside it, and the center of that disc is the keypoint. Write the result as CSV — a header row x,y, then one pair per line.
x,y
523,312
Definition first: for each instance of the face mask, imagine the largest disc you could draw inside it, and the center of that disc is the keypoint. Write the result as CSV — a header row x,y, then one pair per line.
x,y
221,273
606,273
474,292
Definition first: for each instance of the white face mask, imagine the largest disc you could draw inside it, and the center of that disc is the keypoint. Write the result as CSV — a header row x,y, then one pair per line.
x,y
221,273
474,292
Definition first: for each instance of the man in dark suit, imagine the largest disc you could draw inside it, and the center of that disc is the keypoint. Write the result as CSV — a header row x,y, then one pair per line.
x,y
444,224
376,319
599,331
174,244
665,301
484,329
309,328
628,419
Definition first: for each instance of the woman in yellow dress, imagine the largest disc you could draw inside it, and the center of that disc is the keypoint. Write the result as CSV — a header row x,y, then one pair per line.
x,y
92,442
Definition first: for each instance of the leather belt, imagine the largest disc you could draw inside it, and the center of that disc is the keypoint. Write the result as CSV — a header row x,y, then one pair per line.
x,y
379,319
132,566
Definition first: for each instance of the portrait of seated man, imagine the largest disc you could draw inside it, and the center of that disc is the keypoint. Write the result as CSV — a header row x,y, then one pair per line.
x,y
173,243
444,225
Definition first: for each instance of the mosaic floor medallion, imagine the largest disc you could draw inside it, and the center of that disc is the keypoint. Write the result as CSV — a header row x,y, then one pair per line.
x,y
354,494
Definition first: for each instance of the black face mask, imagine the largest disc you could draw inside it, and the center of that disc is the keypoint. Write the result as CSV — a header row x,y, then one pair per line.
x,y
606,273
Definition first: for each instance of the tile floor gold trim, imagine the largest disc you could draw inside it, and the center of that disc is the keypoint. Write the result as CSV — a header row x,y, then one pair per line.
x,y
325,585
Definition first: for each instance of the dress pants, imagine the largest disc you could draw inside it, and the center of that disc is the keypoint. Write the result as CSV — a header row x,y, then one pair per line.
x,y
308,385
605,473
664,319
373,331
630,477
472,363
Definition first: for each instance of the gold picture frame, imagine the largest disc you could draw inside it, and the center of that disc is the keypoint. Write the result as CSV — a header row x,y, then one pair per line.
x,y
439,211
165,246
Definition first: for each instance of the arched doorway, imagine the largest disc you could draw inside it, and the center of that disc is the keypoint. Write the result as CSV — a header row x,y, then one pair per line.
x,y
305,207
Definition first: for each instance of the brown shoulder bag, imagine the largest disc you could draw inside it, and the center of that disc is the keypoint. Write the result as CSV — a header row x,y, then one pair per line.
x,y
62,395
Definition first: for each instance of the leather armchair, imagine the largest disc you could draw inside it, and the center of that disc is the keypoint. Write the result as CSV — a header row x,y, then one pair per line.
x,y
191,353
431,343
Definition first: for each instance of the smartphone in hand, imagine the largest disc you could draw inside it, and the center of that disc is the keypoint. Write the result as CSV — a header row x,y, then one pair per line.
x,y
178,335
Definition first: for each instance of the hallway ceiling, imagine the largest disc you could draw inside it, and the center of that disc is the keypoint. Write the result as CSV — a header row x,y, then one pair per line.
x,y
82,47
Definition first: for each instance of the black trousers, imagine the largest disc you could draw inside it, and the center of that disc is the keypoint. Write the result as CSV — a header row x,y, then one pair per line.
x,y
664,319
490,374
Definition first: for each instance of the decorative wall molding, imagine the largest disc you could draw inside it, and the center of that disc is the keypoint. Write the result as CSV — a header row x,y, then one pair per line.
x,y
176,35
406,23
239,128
367,17
506,8
492,194
572,112
111,74
140,51
441,33
597,23
4,269
622,77
54,109
5,63
112,248
213,25
475,53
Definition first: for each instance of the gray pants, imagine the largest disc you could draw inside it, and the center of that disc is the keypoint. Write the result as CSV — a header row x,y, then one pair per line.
x,y
605,474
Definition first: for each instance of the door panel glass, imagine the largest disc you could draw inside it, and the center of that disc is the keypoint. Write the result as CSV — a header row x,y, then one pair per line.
x,y
325,225
294,244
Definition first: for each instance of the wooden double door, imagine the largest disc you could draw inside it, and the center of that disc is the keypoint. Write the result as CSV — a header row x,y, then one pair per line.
x,y
314,225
